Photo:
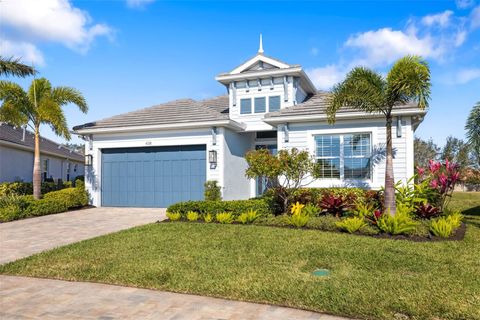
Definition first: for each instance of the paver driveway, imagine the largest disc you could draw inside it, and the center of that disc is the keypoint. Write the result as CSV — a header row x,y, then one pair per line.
x,y
22,238
30,298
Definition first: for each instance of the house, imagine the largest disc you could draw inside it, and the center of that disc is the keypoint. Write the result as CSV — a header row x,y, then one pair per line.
x,y
16,157
163,154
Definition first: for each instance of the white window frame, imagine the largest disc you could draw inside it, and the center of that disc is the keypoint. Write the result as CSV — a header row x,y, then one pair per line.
x,y
373,130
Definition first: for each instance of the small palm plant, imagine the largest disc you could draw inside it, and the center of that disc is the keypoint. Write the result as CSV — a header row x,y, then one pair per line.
x,y
42,104
13,67
368,91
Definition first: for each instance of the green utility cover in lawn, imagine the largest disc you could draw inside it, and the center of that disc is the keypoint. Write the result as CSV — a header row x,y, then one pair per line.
x,y
321,272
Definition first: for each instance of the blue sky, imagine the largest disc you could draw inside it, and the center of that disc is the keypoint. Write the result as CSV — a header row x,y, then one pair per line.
x,y
126,55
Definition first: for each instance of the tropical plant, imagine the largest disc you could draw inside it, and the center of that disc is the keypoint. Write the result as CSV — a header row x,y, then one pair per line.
x,y
473,131
208,218
311,210
455,218
334,204
400,223
298,220
248,217
42,104
212,191
289,170
442,227
224,217
192,216
13,67
426,211
363,209
366,90
173,216
351,225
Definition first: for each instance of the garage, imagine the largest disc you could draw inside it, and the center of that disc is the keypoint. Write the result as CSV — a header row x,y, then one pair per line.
x,y
152,176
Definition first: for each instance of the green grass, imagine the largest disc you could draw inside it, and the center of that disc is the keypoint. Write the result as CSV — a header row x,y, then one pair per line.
x,y
467,202
370,278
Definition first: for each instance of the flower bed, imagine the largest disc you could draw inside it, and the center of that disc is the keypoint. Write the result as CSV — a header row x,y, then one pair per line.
x,y
421,213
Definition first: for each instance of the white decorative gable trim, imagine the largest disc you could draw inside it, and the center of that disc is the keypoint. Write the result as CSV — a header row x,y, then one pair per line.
x,y
259,59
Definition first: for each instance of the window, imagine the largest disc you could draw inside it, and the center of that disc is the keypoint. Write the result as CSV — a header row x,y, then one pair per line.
x,y
356,156
260,105
245,106
46,164
344,156
273,103
75,168
328,156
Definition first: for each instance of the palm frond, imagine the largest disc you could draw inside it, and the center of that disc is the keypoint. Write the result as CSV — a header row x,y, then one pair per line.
x,y
15,103
13,67
362,89
409,81
64,95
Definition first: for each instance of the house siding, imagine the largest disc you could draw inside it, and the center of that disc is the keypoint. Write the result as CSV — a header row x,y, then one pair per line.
x,y
301,136
235,184
17,164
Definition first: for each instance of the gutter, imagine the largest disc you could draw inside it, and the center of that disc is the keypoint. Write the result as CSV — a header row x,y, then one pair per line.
x,y
350,115
235,126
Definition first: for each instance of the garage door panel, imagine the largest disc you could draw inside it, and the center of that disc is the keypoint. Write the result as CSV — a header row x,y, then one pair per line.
x,y
154,176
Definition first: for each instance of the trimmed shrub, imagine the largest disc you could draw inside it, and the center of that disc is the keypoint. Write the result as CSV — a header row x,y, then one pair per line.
x,y
236,207
18,207
212,191
25,188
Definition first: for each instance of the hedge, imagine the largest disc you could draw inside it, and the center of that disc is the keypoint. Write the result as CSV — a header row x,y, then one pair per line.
x,y
25,188
236,207
14,207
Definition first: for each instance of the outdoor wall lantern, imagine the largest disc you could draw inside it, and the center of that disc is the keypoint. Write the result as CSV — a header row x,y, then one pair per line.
x,y
88,160
212,157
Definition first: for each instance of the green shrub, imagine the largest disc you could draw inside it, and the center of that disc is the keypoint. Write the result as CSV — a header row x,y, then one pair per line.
x,y
25,188
311,210
224,217
208,217
352,224
442,227
192,216
212,191
298,220
325,223
248,217
173,216
455,218
236,207
18,207
362,209
400,223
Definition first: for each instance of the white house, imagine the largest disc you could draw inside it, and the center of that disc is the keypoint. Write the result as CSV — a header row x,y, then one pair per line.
x,y
16,157
163,154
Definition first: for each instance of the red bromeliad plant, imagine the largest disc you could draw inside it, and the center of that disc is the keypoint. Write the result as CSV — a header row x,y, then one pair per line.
x,y
441,177
334,205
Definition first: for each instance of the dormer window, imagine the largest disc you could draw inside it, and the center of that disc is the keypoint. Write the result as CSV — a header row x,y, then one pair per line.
x,y
245,106
260,106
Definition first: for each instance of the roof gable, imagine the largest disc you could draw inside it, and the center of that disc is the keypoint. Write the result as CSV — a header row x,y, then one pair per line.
x,y
260,62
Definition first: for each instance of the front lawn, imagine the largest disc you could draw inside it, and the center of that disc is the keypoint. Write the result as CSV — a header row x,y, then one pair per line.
x,y
370,278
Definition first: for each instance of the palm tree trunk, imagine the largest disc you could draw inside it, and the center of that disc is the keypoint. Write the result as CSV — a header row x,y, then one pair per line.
x,y
389,201
37,169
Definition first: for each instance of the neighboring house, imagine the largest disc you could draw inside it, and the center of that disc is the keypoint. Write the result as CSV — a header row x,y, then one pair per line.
x,y
163,154
16,157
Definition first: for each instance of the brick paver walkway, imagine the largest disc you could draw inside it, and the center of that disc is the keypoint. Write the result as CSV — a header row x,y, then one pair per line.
x,y
31,298
22,238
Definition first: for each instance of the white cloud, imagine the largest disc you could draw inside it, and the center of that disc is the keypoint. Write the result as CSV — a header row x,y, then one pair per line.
x,y
138,3
440,19
325,77
30,22
464,4
466,75
384,46
475,18
27,52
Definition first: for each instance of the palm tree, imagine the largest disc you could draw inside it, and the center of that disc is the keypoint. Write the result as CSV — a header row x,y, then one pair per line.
x,y
473,131
13,67
42,104
366,90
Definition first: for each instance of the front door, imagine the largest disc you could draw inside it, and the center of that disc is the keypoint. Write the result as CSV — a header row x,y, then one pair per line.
x,y
263,183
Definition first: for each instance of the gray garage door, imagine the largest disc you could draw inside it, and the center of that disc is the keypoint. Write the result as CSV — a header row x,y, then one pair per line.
x,y
152,176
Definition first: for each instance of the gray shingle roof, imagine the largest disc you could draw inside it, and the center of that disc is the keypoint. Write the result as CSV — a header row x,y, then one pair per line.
x,y
314,105
14,135
173,112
